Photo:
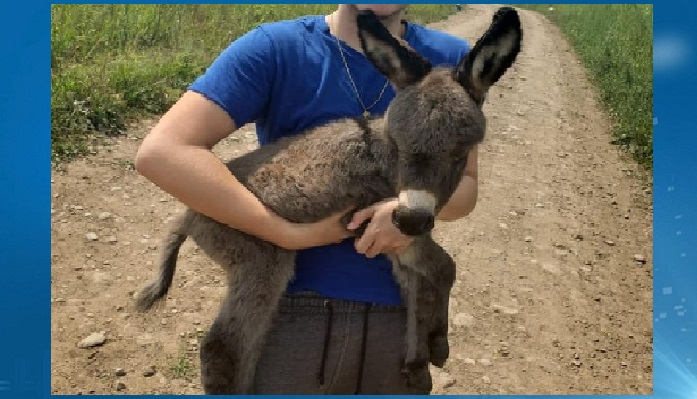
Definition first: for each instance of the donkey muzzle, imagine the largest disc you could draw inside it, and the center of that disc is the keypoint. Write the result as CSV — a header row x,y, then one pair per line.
x,y
415,213
413,222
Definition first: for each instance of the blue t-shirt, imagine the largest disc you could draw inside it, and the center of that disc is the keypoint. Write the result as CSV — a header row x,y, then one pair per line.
x,y
289,76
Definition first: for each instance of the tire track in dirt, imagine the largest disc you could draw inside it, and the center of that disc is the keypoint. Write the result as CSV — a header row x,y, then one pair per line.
x,y
548,292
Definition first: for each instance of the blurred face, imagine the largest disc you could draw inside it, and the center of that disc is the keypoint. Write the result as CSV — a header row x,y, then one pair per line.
x,y
382,10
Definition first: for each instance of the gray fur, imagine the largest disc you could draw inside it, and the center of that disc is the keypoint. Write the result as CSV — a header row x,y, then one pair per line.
x,y
421,144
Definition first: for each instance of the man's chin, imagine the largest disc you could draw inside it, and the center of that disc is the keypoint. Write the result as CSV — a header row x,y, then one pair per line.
x,y
382,11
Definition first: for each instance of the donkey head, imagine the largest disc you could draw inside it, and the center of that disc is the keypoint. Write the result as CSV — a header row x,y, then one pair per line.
x,y
436,116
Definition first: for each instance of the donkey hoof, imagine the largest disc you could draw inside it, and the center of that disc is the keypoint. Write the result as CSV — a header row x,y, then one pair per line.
x,y
440,351
417,376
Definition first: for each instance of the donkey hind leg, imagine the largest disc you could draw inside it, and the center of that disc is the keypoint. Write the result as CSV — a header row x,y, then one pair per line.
x,y
231,349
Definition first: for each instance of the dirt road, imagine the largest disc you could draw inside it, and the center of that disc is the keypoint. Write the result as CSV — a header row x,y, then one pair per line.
x,y
554,290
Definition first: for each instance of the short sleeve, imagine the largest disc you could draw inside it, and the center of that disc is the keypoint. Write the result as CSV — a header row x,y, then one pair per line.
x,y
440,48
459,49
240,79
463,50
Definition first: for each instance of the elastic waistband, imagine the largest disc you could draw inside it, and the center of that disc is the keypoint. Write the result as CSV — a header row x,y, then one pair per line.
x,y
310,302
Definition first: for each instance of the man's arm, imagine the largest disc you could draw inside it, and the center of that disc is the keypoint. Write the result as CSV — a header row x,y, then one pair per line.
x,y
177,157
464,199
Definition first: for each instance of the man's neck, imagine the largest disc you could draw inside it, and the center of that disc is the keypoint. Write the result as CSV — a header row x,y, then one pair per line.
x,y
342,24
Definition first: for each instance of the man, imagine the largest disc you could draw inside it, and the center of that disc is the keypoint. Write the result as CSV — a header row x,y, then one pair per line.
x,y
341,325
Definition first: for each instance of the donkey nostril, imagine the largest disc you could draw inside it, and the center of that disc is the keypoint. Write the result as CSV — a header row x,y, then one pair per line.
x,y
428,223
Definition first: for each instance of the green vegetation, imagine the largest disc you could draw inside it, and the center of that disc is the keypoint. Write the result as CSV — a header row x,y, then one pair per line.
x,y
615,43
181,367
111,63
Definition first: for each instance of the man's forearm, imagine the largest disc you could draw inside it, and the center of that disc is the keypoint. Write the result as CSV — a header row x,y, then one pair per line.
x,y
462,202
197,178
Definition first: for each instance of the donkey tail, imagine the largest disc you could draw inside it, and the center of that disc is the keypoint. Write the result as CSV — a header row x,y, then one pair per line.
x,y
157,288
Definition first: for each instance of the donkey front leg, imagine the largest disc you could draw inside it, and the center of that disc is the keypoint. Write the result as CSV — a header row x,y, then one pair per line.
x,y
443,270
437,271
231,349
415,369
439,348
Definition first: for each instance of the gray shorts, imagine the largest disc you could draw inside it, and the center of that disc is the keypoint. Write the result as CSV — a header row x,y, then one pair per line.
x,y
321,346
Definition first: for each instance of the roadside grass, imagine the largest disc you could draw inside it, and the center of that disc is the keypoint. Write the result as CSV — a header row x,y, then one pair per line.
x,y
615,43
114,63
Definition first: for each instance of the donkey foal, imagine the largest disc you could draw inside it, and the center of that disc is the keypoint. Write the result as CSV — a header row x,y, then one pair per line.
x,y
416,152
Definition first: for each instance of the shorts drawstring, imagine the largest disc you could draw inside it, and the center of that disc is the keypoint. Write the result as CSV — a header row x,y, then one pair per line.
x,y
363,348
327,337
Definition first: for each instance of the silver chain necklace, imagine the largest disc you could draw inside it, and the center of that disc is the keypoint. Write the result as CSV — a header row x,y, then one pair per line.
x,y
366,112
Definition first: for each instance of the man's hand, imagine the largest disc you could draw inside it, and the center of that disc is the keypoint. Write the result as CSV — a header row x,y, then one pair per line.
x,y
299,236
381,235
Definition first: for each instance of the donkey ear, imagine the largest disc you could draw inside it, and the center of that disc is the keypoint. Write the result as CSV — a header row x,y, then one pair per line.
x,y
402,66
493,54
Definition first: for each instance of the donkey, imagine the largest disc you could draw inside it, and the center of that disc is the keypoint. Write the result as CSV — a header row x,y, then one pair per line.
x,y
416,152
